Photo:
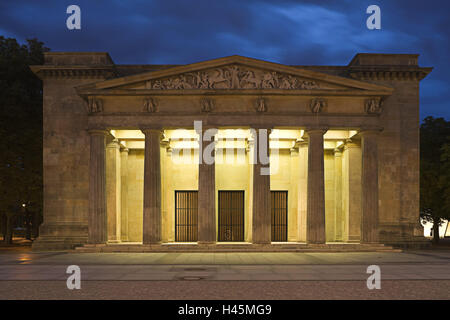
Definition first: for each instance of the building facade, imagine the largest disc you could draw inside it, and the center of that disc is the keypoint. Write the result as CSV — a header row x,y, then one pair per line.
x,y
229,151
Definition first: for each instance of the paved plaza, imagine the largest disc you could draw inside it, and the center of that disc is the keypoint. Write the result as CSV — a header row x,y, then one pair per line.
x,y
412,274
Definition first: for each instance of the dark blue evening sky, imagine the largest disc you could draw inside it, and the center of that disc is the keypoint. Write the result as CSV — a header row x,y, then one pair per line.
x,y
289,32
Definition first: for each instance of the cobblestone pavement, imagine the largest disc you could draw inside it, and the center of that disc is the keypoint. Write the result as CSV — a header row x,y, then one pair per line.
x,y
406,275
222,290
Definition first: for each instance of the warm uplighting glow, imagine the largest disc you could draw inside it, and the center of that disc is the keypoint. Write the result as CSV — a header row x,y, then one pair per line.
x,y
230,138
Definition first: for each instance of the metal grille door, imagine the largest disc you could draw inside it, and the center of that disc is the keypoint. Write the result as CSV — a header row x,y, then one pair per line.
x,y
279,215
186,209
231,215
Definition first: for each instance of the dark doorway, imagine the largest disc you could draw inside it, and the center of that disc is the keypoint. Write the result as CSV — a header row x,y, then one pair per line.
x,y
231,215
186,210
279,215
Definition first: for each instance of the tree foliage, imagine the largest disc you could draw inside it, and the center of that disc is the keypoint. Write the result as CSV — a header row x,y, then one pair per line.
x,y
435,171
20,127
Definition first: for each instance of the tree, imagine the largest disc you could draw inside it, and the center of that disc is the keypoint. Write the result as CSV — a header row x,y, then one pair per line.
x,y
435,172
445,179
21,131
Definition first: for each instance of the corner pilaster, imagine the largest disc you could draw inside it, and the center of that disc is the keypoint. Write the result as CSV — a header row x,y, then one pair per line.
x,y
97,228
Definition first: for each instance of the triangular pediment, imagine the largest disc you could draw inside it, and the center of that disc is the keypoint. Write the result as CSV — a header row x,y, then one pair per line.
x,y
235,73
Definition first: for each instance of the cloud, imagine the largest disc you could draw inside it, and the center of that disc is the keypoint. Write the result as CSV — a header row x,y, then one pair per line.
x,y
284,31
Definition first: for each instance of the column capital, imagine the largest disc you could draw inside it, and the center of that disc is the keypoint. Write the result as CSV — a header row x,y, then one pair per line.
x,y
154,131
124,149
302,142
208,127
146,131
349,143
255,130
114,144
316,130
212,130
98,132
364,131
261,126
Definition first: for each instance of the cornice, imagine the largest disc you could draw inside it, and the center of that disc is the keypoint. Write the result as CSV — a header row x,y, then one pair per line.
x,y
389,73
84,92
74,72
217,64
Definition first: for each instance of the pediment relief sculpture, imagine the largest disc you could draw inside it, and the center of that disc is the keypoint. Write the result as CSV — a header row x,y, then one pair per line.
x,y
94,105
233,77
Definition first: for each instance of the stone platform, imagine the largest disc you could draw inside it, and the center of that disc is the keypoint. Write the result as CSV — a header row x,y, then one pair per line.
x,y
235,247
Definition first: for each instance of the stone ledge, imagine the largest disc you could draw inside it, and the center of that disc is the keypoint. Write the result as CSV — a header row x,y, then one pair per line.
x,y
297,247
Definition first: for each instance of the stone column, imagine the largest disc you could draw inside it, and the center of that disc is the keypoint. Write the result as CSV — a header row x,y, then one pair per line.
x,y
302,190
351,172
97,228
261,227
207,187
338,194
294,179
315,224
369,186
152,187
113,193
124,193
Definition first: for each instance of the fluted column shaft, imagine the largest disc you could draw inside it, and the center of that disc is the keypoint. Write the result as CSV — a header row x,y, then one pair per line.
x,y
124,193
369,185
315,230
261,226
97,228
302,190
338,194
152,187
207,188
113,193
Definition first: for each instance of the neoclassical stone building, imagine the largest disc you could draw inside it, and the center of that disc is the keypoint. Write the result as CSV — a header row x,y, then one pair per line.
x,y
123,148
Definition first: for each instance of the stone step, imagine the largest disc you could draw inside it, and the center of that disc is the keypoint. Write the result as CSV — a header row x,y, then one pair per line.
x,y
237,248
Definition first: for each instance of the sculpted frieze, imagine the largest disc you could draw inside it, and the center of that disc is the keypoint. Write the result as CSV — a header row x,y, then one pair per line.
x,y
94,105
207,104
317,105
151,105
373,106
261,105
233,77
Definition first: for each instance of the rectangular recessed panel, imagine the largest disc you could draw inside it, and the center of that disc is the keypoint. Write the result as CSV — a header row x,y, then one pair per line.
x,y
279,215
186,212
231,216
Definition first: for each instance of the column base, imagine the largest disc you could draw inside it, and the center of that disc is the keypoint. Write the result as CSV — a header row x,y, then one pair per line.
x,y
351,240
152,243
315,242
262,242
206,242
44,243
370,242
60,236
114,241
